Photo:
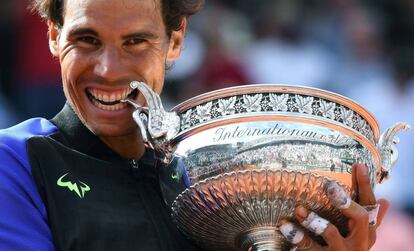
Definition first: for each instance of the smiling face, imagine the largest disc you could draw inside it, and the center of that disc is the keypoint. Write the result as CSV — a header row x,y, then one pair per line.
x,y
104,45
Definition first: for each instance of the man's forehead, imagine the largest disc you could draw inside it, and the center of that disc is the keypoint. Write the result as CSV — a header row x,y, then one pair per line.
x,y
126,3
113,13
102,6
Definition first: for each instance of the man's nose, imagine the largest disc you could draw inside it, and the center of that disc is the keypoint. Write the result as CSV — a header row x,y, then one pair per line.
x,y
110,65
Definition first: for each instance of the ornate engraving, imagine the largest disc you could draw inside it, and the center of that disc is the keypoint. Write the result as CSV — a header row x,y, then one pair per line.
x,y
304,104
204,112
347,116
279,102
186,120
327,109
252,102
226,106
276,102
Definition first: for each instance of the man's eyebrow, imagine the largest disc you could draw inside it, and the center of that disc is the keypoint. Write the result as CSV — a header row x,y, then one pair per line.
x,y
142,35
82,31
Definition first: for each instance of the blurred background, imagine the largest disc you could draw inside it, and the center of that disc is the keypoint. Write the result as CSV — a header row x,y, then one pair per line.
x,y
360,49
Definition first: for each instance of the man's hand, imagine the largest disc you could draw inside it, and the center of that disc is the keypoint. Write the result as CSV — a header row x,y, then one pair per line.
x,y
362,228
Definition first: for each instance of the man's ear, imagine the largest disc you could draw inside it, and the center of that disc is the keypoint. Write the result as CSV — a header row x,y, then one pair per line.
x,y
177,41
53,34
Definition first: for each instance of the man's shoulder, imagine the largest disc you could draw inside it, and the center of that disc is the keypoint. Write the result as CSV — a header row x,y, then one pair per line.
x,y
25,130
13,139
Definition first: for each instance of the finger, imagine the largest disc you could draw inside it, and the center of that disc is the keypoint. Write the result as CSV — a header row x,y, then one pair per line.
x,y
354,181
384,206
372,211
297,237
358,215
366,195
322,227
372,219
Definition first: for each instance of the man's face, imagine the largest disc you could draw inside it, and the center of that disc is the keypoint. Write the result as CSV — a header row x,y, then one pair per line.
x,y
103,46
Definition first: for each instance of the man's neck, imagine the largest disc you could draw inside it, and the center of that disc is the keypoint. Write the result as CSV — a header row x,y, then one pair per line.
x,y
127,146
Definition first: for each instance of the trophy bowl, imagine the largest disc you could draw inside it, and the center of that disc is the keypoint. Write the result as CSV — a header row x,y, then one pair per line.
x,y
239,160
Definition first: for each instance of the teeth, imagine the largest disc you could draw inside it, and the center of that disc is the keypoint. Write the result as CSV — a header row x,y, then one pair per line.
x,y
109,96
105,97
125,93
116,107
100,96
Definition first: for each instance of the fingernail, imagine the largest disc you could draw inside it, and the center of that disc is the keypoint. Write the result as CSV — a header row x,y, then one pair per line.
x,y
337,196
364,169
291,232
301,212
315,223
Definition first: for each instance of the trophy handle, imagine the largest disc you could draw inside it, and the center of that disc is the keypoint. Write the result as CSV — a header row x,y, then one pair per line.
x,y
158,127
388,150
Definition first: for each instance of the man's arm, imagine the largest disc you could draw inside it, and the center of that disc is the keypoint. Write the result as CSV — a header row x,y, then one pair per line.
x,y
23,217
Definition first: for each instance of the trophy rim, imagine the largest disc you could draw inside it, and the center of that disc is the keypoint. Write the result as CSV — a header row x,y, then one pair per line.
x,y
281,88
285,117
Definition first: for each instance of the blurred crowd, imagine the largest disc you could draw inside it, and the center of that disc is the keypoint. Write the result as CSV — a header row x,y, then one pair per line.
x,y
361,49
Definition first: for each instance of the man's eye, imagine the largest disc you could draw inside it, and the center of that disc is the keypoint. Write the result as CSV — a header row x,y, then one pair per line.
x,y
134,41
89,40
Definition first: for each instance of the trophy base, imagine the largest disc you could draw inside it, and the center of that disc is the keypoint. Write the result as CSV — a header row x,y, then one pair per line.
x,y
241,210
261,239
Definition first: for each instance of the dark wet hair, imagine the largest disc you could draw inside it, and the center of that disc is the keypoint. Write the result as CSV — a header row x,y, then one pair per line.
x,y
173,11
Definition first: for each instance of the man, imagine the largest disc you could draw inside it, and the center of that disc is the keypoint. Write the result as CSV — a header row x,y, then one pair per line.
x,y
84,180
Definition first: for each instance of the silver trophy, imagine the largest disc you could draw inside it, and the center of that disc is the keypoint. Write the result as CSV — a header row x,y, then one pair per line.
x,y
238,160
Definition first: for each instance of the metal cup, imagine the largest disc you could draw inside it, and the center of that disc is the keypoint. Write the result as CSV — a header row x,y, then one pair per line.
x,y
238,160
